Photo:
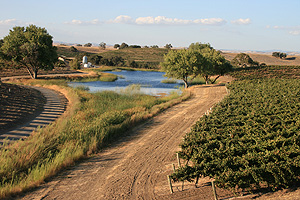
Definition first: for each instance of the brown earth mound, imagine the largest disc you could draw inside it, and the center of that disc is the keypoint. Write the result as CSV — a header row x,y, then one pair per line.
x,y
18,104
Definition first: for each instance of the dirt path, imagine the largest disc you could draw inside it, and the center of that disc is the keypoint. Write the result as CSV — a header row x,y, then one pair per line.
x,y
137,166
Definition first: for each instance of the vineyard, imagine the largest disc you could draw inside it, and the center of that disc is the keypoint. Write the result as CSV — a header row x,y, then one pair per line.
x,y
252,138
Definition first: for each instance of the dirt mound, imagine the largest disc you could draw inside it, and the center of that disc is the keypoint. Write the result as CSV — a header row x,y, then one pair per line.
x,y
18,104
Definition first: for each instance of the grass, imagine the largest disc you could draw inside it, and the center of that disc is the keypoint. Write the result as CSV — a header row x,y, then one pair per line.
x,y
197,81
151,55
96,76
91,122
169,81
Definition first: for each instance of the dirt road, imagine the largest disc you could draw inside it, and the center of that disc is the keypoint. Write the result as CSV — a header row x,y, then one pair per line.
x,y
137,166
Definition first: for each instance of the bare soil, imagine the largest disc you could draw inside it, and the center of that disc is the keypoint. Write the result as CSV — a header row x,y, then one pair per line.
x,y
18,104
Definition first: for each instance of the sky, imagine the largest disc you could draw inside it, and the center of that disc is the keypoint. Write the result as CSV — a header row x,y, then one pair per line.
x,y
258,25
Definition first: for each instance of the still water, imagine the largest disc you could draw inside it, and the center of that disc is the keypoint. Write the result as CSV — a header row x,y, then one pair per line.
x,y
150,83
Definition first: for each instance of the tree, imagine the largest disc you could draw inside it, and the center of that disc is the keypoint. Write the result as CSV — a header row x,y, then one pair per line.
x,y
279,55
135,46
95,59
215,65
88,44
30,47
243,60
102,45
154,46
282,55
123,45
168,46
116,46
181,64
75,64
73,49
199,46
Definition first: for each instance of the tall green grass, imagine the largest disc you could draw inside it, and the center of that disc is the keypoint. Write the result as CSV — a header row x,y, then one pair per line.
x,y
92,121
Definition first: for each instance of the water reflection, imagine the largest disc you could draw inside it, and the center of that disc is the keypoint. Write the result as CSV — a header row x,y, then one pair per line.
x,y
150,82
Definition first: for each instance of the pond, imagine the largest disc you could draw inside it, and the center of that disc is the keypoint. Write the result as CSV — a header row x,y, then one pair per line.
x,y
150,83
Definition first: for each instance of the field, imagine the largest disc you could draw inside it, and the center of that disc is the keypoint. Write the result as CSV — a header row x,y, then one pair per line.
x,y
251,139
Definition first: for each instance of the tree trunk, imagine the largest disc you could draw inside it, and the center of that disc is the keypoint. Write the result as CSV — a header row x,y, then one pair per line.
x,y
186,85
30,73
206,79
212,82
35,72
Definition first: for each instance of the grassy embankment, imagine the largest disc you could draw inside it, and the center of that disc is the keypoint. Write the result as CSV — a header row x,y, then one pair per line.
x,y
90,123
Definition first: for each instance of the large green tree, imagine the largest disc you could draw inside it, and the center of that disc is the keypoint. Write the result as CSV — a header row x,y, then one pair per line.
x,y
30,47
216,65
182,64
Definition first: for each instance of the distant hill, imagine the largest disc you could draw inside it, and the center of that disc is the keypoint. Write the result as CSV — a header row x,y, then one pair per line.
x,y
268,59
153,56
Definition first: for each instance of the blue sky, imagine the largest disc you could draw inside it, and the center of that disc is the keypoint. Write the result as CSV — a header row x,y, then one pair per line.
x,y
225,24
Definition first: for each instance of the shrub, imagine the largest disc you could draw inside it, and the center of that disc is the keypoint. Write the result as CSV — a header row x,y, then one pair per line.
x,y
243,60
74,64
73,49
123,46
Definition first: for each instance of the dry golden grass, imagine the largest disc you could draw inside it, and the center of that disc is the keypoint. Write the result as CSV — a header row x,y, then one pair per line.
x,y
268,59
92,49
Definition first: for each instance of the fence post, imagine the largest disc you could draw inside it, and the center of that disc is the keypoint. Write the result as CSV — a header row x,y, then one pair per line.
x,y
173,167
179,165
170,184
214,190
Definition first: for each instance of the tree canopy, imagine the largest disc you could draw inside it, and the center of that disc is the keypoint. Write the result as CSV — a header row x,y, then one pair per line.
x,y
279,55
168,46
123,46
181,64
30,47
102,45
198,60
215,65
243,60
88,44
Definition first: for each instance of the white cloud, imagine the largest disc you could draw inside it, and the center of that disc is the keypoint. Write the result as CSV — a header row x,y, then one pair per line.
x,y
9,22
241,21
162,20
122,19
210,21
80,22
159,20
295,32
